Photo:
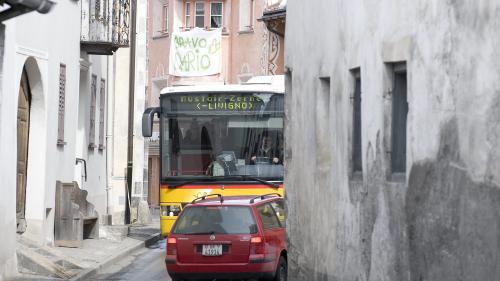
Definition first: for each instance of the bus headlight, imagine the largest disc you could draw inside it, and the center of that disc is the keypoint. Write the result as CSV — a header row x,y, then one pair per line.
x,y
170,210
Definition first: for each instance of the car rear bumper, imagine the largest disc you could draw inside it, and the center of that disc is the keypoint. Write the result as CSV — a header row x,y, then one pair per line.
x,y
220,275
256,269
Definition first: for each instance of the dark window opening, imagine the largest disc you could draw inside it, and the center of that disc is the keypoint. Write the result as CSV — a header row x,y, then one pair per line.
x,y
399,118
357,165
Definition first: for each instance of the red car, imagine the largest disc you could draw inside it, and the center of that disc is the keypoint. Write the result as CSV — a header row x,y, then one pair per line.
x,y
229,238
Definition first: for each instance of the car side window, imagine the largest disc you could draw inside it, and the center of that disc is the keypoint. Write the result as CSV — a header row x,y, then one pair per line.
x,y
279,208
268,216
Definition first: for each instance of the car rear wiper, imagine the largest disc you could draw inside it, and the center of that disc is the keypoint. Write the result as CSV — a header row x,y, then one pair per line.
x,y
198,233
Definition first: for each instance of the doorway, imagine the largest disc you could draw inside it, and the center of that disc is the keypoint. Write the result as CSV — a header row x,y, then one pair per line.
x,y
23,117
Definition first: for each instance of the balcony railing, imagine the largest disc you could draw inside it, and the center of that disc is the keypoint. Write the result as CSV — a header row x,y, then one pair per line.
x,y
105,25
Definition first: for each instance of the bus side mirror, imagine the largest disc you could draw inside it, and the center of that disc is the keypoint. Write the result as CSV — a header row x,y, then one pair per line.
x,y
147,120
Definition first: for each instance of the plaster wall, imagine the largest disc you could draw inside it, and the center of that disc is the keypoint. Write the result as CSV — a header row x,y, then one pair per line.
x,y
141,78
440,221
121,65
47,162
95,157
29,47
7,220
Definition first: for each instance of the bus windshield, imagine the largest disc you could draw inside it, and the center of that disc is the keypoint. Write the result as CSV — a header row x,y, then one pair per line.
x,y
208,135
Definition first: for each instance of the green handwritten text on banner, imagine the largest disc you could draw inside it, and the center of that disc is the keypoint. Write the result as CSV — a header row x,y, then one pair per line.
x,y
195,53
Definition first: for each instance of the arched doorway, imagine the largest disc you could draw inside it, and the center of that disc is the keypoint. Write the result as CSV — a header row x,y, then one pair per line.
x,y
23,117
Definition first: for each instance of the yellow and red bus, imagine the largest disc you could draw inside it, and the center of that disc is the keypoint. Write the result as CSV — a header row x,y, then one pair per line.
x,y
225,139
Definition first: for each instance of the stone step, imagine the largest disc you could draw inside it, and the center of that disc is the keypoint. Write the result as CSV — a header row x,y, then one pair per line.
x,y
44,261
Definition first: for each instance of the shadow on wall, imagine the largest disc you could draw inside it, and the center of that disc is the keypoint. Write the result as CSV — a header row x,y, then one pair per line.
x,y
453,222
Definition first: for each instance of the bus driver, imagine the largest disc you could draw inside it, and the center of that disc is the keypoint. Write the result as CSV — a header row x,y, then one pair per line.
x,y
266,152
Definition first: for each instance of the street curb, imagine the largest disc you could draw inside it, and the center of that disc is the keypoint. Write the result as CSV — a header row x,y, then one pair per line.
x,y
90,271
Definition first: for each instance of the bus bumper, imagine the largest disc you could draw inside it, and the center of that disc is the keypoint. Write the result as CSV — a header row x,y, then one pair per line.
x,y
166,224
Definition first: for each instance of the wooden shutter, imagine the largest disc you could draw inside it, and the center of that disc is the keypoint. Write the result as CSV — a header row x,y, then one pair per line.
x,y
102,101
62,104
93,92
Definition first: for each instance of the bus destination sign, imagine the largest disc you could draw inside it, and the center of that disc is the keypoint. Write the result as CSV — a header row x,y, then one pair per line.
x,y
220,102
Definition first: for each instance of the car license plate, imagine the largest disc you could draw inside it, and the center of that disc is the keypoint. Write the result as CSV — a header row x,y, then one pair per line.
x,y
212,250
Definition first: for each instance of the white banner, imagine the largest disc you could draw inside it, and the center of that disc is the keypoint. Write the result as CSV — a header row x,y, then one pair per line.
x,y
195,53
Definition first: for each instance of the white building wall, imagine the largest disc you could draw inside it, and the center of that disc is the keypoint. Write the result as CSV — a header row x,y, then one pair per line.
x,y
47,162
439,222
42,43
121,62
95,157
141,79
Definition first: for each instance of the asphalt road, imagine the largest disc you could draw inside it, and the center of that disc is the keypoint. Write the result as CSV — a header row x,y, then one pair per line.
x,y
145,264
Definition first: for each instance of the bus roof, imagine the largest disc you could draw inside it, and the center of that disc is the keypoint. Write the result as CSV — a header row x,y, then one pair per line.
x,y
272,84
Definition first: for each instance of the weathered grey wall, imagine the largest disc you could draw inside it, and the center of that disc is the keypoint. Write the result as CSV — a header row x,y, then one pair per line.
x,y
441,222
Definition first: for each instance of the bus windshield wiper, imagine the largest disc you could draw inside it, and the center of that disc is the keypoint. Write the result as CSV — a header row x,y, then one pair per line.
x,y
245,177
191,181
212,179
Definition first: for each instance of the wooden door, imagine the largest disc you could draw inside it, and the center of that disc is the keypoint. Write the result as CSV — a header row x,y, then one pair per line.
x,y
23,117
154,181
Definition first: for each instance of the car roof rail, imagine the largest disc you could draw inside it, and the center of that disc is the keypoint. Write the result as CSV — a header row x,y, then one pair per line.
x,y
204,197
263,196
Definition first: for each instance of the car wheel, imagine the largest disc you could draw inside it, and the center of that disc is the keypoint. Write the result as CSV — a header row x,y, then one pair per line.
x,y
281,270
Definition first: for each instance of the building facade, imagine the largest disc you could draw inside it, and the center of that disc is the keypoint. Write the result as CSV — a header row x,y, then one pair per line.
x,y
392,145
53,116
249,49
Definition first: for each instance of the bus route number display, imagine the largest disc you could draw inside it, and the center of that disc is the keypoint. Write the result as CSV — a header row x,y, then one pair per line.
x,y
229,102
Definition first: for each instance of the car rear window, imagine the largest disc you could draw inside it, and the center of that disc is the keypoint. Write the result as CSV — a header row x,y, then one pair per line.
x,y
216,219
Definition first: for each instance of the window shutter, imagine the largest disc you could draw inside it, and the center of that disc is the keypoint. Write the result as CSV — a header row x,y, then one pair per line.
x,y
93,90
102,102
62,104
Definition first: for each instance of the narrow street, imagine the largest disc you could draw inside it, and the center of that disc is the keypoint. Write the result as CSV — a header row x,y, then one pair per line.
x,y
145,264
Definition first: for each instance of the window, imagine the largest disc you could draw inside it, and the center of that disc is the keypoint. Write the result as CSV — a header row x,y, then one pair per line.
x,y
188,15
165,19
246,15
279,208
323,128
62,104
93,90
399,115
192,150
200,15
216,219
356,124
159,18
268,217
102,101
215,14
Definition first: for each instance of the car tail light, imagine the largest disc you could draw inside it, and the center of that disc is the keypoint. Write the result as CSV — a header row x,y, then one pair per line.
x,y
256,245
171,246
256,240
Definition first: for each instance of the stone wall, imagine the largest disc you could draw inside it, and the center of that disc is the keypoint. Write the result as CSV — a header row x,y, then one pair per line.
x,y
441,220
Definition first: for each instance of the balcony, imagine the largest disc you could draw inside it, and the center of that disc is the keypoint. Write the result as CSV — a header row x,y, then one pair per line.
x,y
105,26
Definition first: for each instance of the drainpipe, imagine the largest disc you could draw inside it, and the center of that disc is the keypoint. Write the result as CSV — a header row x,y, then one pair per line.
x,y
130,151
